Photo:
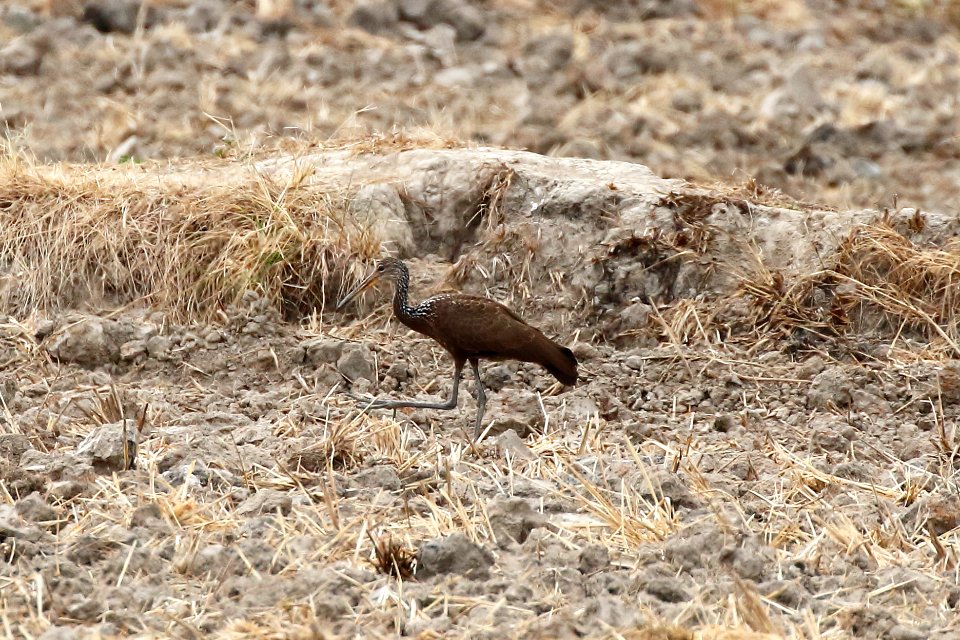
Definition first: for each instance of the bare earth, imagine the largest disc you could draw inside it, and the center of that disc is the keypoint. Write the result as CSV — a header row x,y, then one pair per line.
x,y
763,441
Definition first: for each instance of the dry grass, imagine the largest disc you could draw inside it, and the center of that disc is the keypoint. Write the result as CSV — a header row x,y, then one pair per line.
x,y
195,248
75,235
879,283
792,506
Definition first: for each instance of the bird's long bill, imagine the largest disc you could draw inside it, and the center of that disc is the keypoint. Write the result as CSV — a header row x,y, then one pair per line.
x,y
369,281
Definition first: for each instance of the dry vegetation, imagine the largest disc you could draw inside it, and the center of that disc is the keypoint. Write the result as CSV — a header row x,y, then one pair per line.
x,y
262,505
71,239
754,450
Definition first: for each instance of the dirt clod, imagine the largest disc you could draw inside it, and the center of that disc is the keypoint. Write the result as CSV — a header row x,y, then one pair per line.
x,y
831,388
356,363
33,508
454,554
110,447
89,342
593,558
512,520
667,589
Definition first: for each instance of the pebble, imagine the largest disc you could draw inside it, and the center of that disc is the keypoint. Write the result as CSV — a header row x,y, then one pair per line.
x,y
110,447
454,554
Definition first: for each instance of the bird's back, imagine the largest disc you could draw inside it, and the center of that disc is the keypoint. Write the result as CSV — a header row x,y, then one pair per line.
x,y
476,327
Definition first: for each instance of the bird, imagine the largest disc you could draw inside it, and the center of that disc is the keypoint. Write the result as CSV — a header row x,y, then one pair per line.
x,y
470,328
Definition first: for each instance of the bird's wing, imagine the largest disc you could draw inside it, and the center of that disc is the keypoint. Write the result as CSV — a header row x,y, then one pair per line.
x,y
481,327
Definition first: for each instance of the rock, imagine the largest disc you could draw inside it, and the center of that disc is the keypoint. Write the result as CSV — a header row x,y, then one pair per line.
x,y
148,516
869,621
512,520
904,632
547,54
34,460
13,446
635,317
797,96
511,444
44,328
830,388
724,422
399,371
133,350
382,476
380,206
214,559
110,447
862,400
585,351
374,16
264,358
945,387
593,558
34,508
515,411
67,489
667,589
21,19
687,100
697,551
787,592
811,367
203,15
318,12
853,470
942,512
265,501
56,632
158,347
109,16
13,526
467,20
828,440
86,608
355,363
628,59
668,485
23,56
87,342
455,554
748,564
319,351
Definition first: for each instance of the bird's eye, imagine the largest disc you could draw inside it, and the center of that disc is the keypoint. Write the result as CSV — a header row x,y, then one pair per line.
x,y
381,267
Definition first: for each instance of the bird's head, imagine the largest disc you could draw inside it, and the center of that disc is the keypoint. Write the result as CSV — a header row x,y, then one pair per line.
x,y
387,269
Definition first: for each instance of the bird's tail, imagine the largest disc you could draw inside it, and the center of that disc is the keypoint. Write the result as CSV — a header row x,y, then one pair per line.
x,y
561,363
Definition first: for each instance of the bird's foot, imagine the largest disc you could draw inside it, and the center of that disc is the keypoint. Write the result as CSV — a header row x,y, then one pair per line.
x,y
370,402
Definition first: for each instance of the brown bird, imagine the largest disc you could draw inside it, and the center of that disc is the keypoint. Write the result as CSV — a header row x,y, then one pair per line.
x,y
469,328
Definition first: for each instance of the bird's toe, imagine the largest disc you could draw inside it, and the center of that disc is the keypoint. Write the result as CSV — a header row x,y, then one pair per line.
x,y
370,402
361,400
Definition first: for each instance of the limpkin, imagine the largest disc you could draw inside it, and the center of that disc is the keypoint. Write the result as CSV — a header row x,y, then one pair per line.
x,y
469,328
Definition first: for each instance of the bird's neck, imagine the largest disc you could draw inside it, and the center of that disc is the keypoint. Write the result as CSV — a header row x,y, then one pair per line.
x,y
401,308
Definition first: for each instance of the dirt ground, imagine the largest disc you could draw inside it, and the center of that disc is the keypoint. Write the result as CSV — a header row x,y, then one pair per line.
x,y
762,443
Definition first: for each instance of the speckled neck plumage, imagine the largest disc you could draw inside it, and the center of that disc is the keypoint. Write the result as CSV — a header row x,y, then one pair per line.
x,y
401,308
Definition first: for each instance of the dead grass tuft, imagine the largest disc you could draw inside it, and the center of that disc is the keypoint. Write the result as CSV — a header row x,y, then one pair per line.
x,y
338,449
393,558
75,235
880,283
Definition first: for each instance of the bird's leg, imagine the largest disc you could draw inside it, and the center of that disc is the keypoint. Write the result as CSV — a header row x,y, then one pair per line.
x,y
481,397
451,403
